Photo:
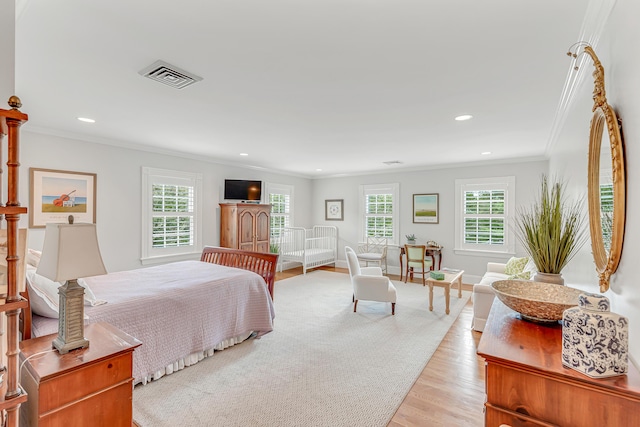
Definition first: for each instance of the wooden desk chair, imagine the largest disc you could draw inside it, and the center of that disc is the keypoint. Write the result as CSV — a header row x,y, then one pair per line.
x,y
417,262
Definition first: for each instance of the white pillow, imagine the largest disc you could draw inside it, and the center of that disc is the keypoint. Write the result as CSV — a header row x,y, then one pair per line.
x,y
43,294
33,257
42,302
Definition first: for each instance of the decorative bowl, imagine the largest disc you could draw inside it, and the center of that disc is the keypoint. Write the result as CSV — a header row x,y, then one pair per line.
x,y
536,301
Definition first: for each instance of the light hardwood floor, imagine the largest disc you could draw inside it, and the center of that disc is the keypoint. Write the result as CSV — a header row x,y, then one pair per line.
x,y
450,390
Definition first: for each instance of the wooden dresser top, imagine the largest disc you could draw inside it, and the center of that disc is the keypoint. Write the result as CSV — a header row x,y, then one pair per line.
x,y
509,340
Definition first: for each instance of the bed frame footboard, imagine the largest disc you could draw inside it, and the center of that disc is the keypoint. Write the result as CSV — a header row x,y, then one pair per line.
x,y
263,264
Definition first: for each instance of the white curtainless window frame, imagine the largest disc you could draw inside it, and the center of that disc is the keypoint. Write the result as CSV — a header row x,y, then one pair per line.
x,y
280,197
171,215
484,211
379,211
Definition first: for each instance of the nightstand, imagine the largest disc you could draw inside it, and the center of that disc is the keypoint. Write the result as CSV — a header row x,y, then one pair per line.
x,y
91,386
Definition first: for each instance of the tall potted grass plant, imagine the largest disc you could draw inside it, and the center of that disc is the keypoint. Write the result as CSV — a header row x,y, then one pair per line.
x,y
552,230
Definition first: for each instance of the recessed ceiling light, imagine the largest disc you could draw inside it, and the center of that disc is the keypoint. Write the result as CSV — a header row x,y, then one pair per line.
x,y
86,120
464,117
486,153
244,154
318,170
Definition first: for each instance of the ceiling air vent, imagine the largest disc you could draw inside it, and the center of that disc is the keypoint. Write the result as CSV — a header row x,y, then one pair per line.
x,y
392,162
170,75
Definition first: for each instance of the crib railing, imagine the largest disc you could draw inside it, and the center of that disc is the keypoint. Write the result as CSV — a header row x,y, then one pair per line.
x,y
311,247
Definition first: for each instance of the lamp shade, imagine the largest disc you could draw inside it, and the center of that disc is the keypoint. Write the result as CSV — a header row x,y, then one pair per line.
x,y
70,251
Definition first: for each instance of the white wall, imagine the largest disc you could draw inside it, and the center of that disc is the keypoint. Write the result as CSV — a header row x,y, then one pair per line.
x,y
617,50
119,189
441,181
8,49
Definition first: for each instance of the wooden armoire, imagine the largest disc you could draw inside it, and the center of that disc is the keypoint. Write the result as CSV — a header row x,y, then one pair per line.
x,y
245,226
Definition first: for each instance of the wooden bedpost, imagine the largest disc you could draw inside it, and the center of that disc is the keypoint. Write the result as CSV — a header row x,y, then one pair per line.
x,y
10,122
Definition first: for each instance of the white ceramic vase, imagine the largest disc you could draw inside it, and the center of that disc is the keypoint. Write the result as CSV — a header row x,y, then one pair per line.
x,y
595,341
555,278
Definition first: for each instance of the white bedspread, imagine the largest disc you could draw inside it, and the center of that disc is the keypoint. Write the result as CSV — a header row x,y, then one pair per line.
x,y
177,309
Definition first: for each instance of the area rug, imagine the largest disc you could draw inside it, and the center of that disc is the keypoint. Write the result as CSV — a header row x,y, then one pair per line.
x,y
323,365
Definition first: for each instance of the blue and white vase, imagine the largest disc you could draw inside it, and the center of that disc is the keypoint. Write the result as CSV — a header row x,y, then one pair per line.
x,y
595,341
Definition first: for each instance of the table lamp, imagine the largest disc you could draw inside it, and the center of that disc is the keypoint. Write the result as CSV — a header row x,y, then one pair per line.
x,y
70,251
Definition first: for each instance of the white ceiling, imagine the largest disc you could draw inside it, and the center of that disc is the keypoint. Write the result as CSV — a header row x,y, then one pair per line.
x,y
299,85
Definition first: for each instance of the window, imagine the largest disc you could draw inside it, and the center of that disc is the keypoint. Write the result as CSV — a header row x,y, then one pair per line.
x,y
606,214
281,200
379,211
483,212
171,215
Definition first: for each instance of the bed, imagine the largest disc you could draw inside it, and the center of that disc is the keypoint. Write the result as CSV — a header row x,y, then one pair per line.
x,y
310,247
182,312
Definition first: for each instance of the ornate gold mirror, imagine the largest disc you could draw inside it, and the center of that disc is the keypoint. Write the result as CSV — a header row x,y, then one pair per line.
x,y
607,193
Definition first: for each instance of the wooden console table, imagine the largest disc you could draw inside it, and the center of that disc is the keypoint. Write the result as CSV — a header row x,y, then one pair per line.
x,y
527,385
432,251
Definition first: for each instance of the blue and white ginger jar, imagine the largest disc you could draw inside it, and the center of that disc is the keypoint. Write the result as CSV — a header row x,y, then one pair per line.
x,y
595,341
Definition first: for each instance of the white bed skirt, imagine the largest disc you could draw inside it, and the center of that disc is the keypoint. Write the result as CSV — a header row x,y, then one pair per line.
x,y
192,359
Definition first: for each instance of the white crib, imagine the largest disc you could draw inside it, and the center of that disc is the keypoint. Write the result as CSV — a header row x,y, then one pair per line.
x,y
310,247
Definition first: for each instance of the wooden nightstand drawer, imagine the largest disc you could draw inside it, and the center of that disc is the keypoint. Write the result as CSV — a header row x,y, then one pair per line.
x,y
111,408
85,387
73,385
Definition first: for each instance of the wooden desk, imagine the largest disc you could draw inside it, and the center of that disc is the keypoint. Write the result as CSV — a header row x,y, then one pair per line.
x,y
432,251
527,385
85,387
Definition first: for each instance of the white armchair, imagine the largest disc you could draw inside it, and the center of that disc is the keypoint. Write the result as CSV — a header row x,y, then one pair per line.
x,y
369,283
375,250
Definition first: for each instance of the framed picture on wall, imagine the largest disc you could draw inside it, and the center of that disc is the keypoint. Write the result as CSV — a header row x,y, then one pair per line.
x,y
333,210
425,208
56,194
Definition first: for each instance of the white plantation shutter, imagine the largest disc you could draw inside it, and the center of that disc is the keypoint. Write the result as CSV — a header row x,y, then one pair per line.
x,y
484,217
173,215
483,212
379,211
606,213
281,200
170,215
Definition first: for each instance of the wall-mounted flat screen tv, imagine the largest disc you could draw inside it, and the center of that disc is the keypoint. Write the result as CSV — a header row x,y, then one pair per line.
x,y
242,189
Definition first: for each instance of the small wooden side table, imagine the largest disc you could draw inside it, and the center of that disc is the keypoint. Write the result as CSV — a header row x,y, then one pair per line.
x,y
85,387
449,279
